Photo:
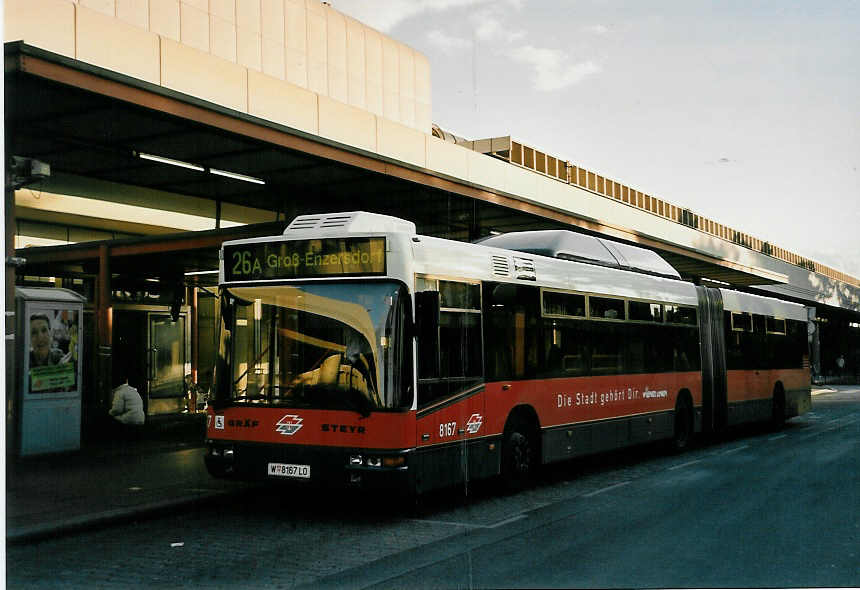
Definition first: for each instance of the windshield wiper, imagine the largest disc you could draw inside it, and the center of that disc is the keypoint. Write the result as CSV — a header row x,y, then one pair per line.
x,y
359,403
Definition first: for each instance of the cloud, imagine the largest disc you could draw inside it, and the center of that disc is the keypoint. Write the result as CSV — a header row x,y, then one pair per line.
x,y
384,15
490,28
552,67
597,29
447,43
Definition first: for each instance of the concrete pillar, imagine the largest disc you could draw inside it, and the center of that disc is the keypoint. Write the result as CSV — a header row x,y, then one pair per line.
x,y
11,386
104,332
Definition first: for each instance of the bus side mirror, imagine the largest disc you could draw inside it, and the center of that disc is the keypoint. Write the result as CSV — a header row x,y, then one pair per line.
x,y
228,309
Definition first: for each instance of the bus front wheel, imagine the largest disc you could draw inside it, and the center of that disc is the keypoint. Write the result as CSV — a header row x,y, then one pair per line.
x,y
519,455
778,408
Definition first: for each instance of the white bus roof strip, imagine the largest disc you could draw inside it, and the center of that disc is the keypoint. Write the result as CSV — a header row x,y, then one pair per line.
x,y
437,256
746,302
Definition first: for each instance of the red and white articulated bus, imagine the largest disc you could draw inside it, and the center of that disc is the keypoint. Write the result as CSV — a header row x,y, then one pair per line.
x,y
356,352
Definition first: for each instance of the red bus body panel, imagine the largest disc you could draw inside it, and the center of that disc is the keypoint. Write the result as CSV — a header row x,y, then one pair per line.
x,y
322,428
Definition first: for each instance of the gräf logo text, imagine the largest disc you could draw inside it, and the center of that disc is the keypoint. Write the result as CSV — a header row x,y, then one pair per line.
x,y
246,423
348,428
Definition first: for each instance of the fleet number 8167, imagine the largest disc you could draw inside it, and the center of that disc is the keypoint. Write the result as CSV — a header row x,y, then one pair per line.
x,y
447,429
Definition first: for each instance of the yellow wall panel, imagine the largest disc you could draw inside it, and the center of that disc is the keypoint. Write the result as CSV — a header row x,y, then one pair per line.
x,y
194,26
406,76
296,25
106,7
356,55
357,91
198,4
373,69
248,15
135,12
401,142
317,51
314,7
336,55
296,63
223,9
423,117
487,171
202,75
249,48
222,38
272,20
275,100
49,24
390,105
273,58
296,40
390,65
422,79
447,158
164,18
355,50
113,44
347,124
407,111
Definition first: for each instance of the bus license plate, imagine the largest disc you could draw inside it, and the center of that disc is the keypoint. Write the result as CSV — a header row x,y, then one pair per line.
x,y
290,470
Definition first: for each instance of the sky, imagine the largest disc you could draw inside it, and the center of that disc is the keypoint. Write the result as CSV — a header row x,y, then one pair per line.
x,y
746,112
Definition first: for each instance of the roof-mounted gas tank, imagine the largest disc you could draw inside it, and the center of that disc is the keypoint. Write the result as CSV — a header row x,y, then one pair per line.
x,y
358,222
569,245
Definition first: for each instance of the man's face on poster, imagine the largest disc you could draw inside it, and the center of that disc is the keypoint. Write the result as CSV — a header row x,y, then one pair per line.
x,y
40,337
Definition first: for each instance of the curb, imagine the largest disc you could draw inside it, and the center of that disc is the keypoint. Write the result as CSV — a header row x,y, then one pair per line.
x,y
38,532
823,391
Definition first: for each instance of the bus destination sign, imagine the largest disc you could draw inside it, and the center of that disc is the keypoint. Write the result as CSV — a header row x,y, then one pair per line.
x,y
296,259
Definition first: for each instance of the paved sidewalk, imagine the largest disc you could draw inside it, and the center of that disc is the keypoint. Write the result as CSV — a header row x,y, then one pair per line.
x,y
108,481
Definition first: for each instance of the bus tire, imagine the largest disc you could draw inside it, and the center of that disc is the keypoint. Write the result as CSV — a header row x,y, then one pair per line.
x,y
777,419
682,435
519,455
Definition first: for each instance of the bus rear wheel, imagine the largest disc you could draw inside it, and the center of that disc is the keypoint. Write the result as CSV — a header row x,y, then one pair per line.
x,y
519,456
778,409
683,432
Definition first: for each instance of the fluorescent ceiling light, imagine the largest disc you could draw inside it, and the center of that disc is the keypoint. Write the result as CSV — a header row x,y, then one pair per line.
x,y
236,176
201,272
171,161
190,166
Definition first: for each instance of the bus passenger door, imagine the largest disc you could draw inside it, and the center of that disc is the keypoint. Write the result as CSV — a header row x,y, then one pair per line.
x,y
450,388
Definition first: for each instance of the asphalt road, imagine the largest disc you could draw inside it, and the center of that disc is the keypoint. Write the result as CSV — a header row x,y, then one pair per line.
x,y
755,509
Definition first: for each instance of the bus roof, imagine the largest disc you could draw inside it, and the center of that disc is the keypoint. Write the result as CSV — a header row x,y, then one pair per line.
x,y
554,259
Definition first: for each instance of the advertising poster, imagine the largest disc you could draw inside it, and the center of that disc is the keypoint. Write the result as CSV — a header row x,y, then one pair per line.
x,y
54,344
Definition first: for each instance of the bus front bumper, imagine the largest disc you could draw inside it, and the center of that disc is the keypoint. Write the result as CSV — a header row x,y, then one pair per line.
x,y
313,466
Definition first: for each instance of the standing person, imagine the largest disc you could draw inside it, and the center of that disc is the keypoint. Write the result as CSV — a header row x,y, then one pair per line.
x,y
840,364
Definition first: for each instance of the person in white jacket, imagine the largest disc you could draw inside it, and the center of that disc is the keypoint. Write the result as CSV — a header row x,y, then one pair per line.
x,y
127,405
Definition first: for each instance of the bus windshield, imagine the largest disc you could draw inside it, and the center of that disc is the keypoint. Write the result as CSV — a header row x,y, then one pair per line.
x,y
332,346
